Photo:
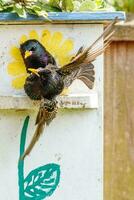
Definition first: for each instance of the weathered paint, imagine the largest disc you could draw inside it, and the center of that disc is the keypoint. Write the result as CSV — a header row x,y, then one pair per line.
x,y
74,140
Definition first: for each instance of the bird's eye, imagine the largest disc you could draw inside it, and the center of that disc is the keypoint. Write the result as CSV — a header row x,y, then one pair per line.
x,y
32,48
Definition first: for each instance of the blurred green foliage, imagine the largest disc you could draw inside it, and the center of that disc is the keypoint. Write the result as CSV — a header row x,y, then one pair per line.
x,y
79,5
41,7
125,5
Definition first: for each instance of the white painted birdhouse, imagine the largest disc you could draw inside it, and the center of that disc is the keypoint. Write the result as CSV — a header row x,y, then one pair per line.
x,y
67,161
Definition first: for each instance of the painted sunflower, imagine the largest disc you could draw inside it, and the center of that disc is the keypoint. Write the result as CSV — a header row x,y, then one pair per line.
x,y
53,42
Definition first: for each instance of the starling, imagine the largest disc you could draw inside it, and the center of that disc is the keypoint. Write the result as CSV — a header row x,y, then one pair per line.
x,y
48,82
35,55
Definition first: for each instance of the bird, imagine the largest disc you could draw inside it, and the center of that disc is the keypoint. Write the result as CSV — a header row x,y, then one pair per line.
x,y
35,54
47,82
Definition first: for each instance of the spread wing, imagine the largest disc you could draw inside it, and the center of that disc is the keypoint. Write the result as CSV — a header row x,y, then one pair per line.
x,y
81,67
83,72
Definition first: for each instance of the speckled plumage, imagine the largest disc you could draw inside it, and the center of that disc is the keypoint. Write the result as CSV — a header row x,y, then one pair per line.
x,y
48,85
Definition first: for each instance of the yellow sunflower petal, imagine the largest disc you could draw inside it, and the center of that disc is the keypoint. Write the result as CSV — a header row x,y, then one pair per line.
x,y
67,46
55,41
16,68
64,60
33,35
23,39
18,83
15,52
45,38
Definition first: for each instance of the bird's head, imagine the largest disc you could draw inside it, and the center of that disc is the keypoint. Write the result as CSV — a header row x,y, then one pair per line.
x,y
31,48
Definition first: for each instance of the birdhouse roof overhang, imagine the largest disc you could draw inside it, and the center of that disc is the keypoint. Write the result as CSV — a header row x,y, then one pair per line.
x,y
63,17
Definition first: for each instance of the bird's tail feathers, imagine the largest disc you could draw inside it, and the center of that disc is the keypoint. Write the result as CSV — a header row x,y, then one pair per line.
x,y
97,48
106,33
46,114
35,138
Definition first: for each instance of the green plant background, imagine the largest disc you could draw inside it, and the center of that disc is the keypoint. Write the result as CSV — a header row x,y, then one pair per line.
x,y
125,5
41,7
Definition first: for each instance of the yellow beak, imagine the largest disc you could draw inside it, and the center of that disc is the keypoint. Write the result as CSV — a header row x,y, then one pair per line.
x,y
34,71
27,54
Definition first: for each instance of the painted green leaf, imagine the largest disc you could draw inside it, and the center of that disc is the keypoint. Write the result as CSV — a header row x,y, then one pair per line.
x,y
42,182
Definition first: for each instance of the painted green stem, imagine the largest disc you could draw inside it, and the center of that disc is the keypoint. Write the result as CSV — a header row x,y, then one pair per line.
x,y
21,162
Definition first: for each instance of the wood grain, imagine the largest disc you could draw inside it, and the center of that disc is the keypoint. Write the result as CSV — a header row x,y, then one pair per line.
x,y
125,31
119,122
